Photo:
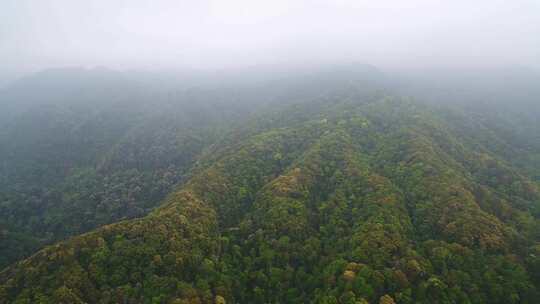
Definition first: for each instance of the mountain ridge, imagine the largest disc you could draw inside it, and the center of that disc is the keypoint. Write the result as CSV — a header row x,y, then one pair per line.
x,y
367,200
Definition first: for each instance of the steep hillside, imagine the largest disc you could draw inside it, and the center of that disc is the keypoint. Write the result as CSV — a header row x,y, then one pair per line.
x,y
349,199
81,148
69,168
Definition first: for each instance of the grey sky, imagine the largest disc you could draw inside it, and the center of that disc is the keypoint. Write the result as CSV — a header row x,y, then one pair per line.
x,y
37,34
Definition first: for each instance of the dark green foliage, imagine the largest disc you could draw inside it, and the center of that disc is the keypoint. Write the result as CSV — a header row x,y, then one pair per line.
x,y
359,200
67,169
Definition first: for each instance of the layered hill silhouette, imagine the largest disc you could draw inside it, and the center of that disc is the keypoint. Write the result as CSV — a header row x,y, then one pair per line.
x,y
350,198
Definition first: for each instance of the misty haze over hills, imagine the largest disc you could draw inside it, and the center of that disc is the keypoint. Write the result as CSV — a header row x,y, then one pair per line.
x,y
104,162
310,151
210,35
469,87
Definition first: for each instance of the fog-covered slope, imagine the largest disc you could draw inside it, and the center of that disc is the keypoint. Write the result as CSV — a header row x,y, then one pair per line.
x,y
346,199
80,148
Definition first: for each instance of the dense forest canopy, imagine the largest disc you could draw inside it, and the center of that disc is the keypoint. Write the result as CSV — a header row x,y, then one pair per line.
x,y
336,184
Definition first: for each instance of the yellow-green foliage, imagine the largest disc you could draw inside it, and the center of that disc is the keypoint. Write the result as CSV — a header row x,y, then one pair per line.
x,y
375,202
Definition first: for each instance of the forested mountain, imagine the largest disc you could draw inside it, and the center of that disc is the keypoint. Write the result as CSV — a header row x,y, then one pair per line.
x,y
320,186
81,148
74,163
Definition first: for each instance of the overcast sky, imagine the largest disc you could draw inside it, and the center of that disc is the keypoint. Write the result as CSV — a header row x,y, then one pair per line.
x,y
37,34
